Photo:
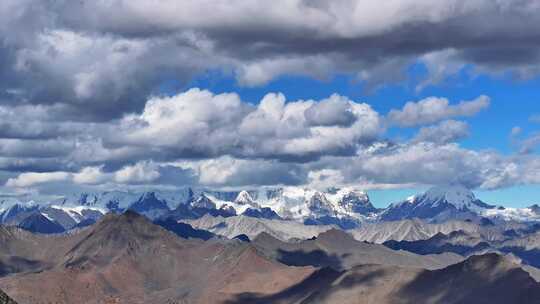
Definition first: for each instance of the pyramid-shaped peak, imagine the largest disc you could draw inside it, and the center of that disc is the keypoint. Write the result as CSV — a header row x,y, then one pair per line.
x,y
243,198
455,195
148,195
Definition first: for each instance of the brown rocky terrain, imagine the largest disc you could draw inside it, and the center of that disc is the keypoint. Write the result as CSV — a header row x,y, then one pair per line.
x,y
339,250
489,278
127,259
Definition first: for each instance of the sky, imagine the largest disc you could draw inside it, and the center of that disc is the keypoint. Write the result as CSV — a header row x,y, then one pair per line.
x,y
391,98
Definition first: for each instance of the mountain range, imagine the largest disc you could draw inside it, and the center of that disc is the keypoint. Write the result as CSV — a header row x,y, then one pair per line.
x,y
126,258
346,208
282,245
480,279
115,260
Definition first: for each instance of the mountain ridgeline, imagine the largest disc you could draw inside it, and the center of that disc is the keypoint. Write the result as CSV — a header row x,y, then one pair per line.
x,y
346,208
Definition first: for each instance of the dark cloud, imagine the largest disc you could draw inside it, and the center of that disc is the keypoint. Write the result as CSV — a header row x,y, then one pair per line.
x,y
100,65
334,111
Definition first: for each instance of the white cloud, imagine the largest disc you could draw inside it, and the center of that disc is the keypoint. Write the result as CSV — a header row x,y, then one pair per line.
x,y
325,178
142,172
530,143
90,175
435,164
445,132
33,178
433,109
230,172
199,123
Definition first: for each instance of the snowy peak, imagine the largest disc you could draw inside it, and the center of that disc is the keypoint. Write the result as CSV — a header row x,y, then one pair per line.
x,y
244,198
439,204
457,196
150,205
38,222
355,201
318,203
203,202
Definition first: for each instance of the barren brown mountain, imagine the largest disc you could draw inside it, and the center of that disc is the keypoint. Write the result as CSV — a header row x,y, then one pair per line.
x,y
487,279
339,250
127,259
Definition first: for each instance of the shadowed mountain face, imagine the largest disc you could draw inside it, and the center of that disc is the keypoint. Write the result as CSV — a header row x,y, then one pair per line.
x,y
184,230
339,250
39,223
480,279
526,247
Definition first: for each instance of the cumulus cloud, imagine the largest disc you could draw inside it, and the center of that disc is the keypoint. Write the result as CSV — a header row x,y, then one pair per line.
x,y
90,175
444,132
529,144
201,138
198,124
230,172
434,164
33,178
334,111
325,178
142,172
433,109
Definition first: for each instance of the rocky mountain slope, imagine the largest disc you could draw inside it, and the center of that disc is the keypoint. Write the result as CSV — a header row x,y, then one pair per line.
x,y
525,247
128,259
232,226
49,218
339,250
417,229
480,279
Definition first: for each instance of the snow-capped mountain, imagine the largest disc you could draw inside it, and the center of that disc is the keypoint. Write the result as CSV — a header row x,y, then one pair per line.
x,y
439,204
37,222
150,205
47,218
343,207
244,198
15,213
